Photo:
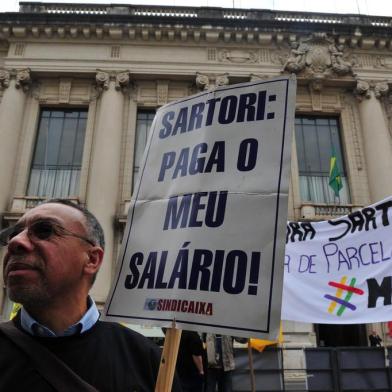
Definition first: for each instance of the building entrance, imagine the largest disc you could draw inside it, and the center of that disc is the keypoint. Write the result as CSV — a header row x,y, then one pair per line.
x,y
336,335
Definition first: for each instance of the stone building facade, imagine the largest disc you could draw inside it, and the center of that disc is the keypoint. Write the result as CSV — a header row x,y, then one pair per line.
x,y
79,85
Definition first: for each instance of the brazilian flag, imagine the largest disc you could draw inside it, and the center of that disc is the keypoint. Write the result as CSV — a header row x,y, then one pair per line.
x,y
335,179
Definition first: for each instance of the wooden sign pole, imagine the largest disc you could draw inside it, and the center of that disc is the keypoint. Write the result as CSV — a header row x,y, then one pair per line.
x,y
167,366
251,368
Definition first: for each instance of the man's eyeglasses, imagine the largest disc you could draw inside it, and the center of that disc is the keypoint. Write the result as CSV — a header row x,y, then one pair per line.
x,y
39,230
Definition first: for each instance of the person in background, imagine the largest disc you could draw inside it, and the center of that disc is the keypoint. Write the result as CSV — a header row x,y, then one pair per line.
x,y
220,358
190,362
375,340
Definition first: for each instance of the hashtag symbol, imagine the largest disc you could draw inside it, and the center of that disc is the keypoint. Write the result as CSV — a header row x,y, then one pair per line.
x,y
344,303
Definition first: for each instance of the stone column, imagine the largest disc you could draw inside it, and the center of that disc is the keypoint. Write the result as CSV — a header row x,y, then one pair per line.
x,y
14,83
104,174
377,140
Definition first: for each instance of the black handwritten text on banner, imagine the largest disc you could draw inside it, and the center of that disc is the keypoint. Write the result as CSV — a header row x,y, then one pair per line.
x,y
339,271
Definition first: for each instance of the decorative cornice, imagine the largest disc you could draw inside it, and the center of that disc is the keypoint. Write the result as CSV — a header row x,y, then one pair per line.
x,y
192,24
197,15
210,81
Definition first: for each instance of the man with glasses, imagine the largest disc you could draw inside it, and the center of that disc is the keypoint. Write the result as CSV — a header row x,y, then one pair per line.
x,y
52,257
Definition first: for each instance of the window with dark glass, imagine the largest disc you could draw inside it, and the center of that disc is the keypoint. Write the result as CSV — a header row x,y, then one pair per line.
x,y
143,125
57,160
317,139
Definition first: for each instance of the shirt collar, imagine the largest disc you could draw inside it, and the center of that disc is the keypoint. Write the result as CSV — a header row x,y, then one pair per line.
x,y
33,327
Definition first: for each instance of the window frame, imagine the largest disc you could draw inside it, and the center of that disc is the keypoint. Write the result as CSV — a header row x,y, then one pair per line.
x,y
139,155
342,161
58,166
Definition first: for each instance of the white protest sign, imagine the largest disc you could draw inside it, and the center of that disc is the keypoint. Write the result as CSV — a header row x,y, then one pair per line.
x,y
204,241
340,271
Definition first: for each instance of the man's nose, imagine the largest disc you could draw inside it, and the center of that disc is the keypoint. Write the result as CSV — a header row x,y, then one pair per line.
x,y
20,243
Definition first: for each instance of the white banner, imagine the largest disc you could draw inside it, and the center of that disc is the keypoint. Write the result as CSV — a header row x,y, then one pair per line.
x,y
204,241
340,271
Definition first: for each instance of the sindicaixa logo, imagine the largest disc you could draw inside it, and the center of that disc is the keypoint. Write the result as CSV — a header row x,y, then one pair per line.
x,y
178,305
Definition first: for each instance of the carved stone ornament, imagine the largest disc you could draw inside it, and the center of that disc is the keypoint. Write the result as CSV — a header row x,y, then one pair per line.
x,y
102,79
162,92
23,79
383,62
122,81
318,57
208,82
65,87
363,89
381,89
4,78
238,56
316,84
297,59
202,81
222,80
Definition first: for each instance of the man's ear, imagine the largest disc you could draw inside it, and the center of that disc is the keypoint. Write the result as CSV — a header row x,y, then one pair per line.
x,y
95,258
